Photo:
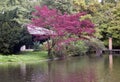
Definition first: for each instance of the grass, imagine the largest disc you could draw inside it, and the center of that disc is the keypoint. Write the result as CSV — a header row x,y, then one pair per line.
x,y
27,56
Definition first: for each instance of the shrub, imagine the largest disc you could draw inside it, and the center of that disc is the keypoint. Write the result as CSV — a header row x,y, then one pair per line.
x,y
70,49
36,46
95,44
12,37
77,48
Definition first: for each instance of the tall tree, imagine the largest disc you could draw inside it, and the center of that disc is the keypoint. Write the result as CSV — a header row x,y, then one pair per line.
x,y
12,36
106,18
65,6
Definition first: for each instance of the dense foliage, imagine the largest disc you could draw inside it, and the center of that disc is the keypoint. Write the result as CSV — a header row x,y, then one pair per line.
x,y
105,16
12,35
65,6
111,26
65,27
24,8
14,14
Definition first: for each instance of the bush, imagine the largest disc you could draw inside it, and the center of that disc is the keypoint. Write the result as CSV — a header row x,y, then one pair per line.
x,y
95,44
44,46
12,37
70,49
36,46
77,48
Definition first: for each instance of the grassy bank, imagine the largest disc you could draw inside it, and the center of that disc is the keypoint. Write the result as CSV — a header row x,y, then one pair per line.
x,y
27,56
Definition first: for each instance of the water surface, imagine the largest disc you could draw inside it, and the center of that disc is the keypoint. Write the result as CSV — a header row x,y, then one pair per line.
x,y
79,69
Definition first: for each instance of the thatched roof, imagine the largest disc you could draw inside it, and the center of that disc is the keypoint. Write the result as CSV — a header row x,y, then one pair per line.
x,y
34,30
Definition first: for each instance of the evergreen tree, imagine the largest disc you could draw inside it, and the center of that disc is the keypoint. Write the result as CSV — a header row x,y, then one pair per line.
x,y
12,34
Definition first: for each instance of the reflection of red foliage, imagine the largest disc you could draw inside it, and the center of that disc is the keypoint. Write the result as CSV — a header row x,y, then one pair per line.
x,y
87,75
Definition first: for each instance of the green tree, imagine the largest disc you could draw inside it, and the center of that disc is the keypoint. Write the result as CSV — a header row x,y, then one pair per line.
x,y
106,18
24,8
65,6
12,35
113,25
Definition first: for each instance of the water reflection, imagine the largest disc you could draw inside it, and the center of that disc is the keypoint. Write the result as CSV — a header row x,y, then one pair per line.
x,y
68,71
23,69
22,73
81,69
110,62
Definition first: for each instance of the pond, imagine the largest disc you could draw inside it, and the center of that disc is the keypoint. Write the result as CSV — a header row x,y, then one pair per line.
x,y
78,69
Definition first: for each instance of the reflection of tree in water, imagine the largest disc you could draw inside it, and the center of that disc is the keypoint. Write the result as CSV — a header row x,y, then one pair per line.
x,y
36,73
111,62
111,71
23,73
71,71
11,73
114,68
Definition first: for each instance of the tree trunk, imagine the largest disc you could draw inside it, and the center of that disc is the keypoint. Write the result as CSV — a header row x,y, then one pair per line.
x,y
49,50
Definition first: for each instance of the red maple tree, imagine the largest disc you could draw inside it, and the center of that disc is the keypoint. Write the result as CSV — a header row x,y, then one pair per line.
x,y
66,27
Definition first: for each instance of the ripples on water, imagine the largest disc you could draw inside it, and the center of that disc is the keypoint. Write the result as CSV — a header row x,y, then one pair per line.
x,y
79,69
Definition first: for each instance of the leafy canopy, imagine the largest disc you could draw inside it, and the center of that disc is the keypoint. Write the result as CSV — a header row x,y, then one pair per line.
x,y
62,24
66,27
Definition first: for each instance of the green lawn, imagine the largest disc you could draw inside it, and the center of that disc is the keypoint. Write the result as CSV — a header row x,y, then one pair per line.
x,y
28,56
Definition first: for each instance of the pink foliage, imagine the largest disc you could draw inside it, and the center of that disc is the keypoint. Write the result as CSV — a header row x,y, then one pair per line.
x,y
62,24
68,25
